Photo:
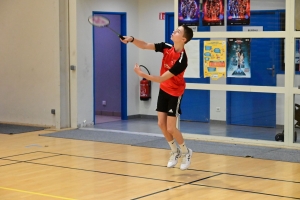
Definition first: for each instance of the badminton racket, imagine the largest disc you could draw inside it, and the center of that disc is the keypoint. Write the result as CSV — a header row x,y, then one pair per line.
x,y
100,21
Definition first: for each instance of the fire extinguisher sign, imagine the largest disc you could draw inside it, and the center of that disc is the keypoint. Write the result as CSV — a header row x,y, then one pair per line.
x,y
162,16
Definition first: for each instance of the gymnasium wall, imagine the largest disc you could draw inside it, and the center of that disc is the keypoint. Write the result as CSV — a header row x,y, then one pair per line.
x,y
297,15
152,30
218,98
85,53
29,61
33,66
34,62
152,60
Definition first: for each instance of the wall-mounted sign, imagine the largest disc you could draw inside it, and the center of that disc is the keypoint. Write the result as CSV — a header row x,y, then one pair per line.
x,y
253,28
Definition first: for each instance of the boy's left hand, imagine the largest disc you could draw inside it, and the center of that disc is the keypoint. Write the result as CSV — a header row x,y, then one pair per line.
x,y
137,70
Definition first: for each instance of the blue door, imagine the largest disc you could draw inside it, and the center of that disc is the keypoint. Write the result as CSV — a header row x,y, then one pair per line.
x,y
106,44
257,109
195,104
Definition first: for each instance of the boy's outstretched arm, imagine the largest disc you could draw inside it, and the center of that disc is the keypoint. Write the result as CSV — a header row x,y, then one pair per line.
x,y
139,43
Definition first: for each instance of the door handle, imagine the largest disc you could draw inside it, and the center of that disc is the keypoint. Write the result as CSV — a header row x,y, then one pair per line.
x,y
273,70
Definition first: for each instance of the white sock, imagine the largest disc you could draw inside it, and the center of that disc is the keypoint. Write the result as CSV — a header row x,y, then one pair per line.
x,y
183,148
173,146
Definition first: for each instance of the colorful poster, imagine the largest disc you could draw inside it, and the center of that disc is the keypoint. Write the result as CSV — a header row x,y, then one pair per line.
x,y
238,60
213,13
238,12
188,12
214,58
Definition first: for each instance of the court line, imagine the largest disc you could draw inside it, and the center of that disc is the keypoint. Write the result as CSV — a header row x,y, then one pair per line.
x,y
101,172
21,161
244,191
10,163
19,154
181,183
56,155
193,183
15,161
263,178
35,193
188,183
32,159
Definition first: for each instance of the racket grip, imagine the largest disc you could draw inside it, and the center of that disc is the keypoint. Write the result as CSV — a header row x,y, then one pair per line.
x,y
121,36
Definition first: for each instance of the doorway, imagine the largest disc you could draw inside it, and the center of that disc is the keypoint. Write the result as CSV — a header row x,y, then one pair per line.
x,y
110,77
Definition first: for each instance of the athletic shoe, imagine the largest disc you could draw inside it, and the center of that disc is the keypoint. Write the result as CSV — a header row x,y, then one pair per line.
x,y
186,160
174,158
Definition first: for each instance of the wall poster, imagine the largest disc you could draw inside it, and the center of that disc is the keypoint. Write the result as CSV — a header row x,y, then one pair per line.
x,y
238,61
214,58
188,12
238,12
213,13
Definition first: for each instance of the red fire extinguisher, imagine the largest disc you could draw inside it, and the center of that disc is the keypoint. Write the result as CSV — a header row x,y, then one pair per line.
x,y
145,88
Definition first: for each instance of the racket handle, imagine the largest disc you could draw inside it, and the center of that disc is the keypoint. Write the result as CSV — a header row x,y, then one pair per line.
x,y
121,36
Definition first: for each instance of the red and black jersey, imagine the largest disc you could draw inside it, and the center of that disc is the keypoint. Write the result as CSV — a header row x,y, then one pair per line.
x,y
176,63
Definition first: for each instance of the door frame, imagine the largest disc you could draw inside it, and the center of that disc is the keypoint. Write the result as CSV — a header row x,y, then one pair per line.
x,y
167,25
123,65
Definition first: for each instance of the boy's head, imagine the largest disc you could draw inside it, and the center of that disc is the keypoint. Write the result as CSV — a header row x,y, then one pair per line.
x,y
182,34
188,33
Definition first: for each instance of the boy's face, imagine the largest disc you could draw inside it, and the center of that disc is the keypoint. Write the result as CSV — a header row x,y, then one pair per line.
x,y
177,35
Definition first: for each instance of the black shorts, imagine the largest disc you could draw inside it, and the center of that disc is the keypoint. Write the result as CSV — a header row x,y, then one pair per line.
x,y
168,104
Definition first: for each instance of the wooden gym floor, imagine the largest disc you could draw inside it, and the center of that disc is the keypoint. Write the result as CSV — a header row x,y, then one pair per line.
x,y
37,168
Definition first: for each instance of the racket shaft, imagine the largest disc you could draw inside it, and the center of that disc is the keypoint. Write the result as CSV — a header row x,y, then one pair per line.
x,y
120,36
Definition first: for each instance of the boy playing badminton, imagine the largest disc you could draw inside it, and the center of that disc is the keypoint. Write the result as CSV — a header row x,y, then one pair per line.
x,y
172,86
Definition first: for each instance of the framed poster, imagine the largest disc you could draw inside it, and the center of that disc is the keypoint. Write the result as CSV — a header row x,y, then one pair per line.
x,y
238,12
238,58
214,58
188,12
213,13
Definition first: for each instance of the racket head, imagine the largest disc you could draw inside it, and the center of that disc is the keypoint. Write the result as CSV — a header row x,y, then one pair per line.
x,y
98,20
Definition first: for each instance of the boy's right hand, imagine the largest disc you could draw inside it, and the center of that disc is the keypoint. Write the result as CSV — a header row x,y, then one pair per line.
x,y
127,39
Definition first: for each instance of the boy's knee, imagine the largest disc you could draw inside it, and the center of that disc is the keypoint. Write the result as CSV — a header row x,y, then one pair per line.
x,y
161,124
171,129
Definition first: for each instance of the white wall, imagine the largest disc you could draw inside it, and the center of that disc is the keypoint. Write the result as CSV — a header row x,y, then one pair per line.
x,y
152,30
143,23
267,4
297,15
85,53
29,61
30,84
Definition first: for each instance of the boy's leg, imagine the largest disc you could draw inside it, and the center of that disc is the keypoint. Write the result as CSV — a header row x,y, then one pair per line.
x,y
186,152
162,123
175,152
172,129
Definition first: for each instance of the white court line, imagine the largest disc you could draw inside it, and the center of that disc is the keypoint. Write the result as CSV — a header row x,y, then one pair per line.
x,y
127,132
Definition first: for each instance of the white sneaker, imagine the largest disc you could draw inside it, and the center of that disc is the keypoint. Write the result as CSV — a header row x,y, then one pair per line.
x,y
174,158
186,160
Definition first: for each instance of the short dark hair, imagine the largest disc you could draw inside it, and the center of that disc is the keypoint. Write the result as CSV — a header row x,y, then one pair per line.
x,y
188,33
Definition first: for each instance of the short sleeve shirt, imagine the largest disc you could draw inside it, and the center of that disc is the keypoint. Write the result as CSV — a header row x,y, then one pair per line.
x,y
176,63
